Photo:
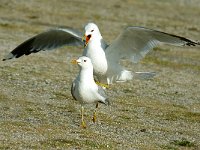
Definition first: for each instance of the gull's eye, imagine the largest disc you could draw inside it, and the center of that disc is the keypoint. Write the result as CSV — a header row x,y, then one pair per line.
x,y
92,30
84,60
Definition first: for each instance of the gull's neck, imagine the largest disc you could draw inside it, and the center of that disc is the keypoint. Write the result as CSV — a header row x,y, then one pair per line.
x,y
96,40
95,46
86,75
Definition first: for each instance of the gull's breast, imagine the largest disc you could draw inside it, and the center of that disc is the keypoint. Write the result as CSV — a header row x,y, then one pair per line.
x,y
98,58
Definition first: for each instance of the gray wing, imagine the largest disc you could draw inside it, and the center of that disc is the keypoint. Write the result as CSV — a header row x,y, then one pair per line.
x,y
73,89
48,40
135,42
102,92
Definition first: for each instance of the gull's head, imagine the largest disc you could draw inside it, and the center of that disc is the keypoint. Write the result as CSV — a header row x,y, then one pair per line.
x,y
91,33
84,62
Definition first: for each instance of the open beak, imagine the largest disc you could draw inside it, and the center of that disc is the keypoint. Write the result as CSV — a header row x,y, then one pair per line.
x,y
86,38
74,61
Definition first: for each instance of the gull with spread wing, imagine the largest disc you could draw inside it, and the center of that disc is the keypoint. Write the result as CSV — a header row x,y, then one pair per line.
x,y
84,89
133,44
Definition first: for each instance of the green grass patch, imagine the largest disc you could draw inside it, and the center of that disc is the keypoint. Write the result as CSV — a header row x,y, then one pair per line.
x,y
182,115
183,142
169,63
161,49
59,143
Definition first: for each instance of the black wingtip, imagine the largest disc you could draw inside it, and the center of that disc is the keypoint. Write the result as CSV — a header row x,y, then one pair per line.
x,y
23,49
107,102
192,43
188,42
6,59
9,56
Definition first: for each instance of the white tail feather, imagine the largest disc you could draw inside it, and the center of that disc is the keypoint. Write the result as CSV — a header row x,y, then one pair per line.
x,y
144,75
124,76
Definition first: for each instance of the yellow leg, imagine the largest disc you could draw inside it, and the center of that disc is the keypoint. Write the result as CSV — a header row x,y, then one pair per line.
x,y
102,85
83,125
95,113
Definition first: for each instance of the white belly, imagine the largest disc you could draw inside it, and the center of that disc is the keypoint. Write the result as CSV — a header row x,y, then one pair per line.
x,y
88,95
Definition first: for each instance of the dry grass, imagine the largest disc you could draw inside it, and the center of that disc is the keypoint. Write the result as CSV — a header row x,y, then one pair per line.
x,y
38,111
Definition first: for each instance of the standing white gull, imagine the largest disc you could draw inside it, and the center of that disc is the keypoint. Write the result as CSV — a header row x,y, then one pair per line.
x,y
84,89
133,44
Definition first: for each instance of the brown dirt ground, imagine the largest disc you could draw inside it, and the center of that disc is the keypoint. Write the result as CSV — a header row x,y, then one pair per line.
x,y
37,110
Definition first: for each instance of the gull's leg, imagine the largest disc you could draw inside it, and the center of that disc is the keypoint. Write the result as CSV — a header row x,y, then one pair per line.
x,y
95,113
83,125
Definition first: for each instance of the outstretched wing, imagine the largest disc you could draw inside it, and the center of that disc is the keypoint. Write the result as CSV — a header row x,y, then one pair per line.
x,y
48,40
135,42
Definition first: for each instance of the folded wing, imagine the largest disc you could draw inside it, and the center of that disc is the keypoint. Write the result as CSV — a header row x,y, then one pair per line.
x,y
48,40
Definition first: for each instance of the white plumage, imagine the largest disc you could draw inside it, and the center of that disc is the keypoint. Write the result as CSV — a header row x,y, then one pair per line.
x,y
84,89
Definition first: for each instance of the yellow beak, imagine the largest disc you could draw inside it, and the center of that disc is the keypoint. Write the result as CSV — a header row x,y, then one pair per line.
x,y
74,61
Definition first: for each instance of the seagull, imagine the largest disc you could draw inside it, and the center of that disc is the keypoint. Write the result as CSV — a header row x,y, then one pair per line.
x,y
85,90
133,43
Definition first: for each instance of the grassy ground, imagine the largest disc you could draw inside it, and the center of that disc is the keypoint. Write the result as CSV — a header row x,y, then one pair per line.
x,y
37,110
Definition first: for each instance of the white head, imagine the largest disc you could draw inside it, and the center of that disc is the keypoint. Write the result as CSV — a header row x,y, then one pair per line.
x,y
92,32
84,62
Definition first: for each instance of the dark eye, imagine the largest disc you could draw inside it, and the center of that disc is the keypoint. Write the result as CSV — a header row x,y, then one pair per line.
x,y
92,30
84,60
